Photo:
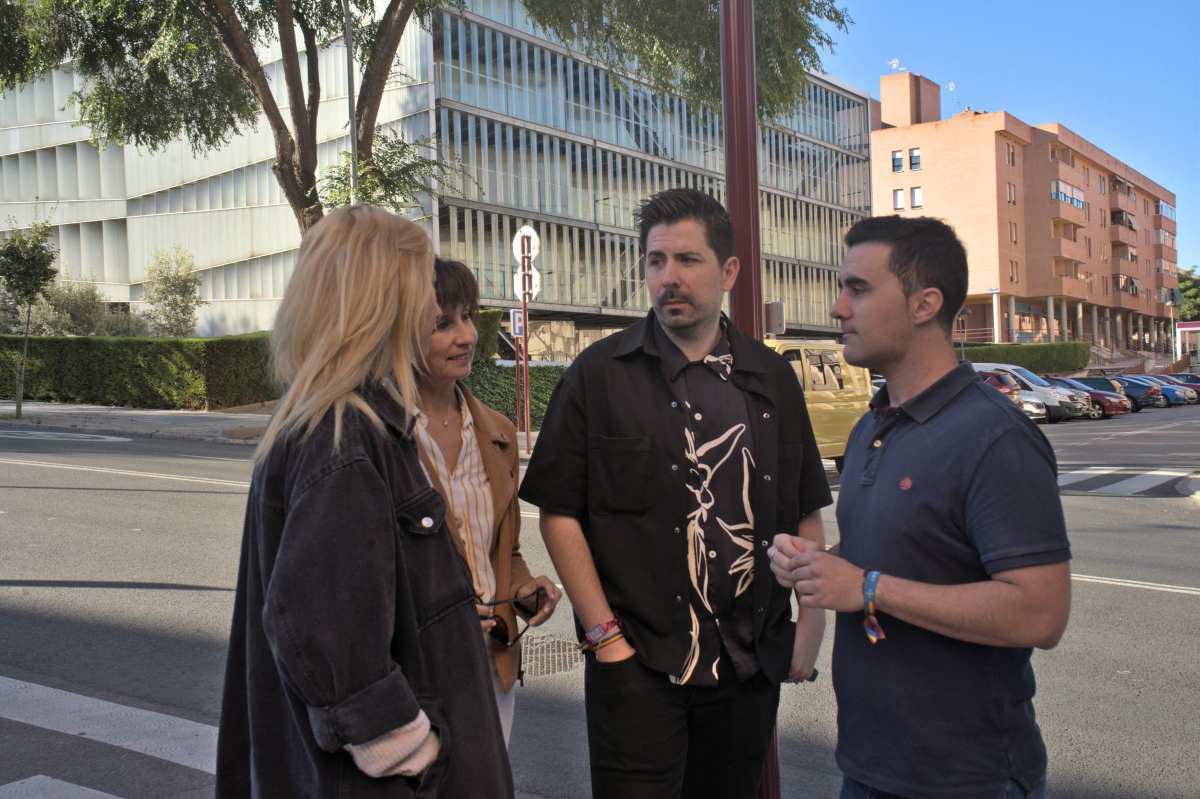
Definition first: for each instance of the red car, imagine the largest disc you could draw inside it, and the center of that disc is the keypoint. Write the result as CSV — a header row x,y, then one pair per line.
x,y
1005,384
1105,403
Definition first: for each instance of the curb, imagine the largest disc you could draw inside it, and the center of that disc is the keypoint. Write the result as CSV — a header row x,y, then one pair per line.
x,y
107,431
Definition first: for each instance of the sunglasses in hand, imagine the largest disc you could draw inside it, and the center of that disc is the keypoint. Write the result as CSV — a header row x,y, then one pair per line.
x,y
525,606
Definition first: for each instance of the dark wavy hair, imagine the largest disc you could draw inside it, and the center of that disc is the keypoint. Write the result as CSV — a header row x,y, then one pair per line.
x,y
455,285
675,205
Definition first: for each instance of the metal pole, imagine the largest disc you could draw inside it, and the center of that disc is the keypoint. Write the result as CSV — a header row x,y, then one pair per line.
x,y
349,36
526,288
739,102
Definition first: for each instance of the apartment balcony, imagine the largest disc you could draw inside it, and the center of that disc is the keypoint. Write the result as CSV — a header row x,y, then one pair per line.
x,y
1123,235
1121,200
1165,279
1064,209
1164,223
1166,252
1068,249
1073,287
1130,302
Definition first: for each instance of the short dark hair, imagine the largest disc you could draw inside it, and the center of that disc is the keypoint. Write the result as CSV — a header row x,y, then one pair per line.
x,y
455,285
926,254
675,205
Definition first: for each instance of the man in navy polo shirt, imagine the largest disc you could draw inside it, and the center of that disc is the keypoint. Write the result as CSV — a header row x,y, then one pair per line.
x,y
953,561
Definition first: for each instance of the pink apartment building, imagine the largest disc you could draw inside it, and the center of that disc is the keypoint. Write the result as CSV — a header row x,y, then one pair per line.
x,y
1064,241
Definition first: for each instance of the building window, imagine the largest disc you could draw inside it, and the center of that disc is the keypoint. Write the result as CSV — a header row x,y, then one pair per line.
x,y
1064,192
1087,241
1010,154
898,200
1014,271
1011,188
916,197
1103,251
1087,176
1012,232
914,158
1165,210
897,160
1103,184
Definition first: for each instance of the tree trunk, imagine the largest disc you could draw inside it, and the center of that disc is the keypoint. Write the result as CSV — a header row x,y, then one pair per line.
x,y
20,392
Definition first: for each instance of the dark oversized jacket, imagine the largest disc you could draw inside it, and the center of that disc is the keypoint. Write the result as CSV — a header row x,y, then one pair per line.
x,y
353,613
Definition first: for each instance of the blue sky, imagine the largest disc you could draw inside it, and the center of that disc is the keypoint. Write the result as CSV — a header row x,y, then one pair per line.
x,y
1125,76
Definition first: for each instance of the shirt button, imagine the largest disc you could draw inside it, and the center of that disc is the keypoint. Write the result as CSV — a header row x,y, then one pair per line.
x,y
674,467
697,417
712,553
717,622
766,415
767,477
674,404
765,543
676,531
678,598
427,522
877,443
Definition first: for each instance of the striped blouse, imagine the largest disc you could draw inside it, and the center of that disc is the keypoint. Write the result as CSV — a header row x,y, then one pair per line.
x,y
469,497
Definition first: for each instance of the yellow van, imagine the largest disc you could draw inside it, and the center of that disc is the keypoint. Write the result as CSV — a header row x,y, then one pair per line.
x,y
836,392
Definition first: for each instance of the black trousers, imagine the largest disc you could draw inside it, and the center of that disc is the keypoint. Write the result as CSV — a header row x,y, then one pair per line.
x,y
650,739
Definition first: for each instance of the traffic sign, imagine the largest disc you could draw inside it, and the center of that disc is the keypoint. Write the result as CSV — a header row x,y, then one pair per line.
x,y
535,283
535,243
516,323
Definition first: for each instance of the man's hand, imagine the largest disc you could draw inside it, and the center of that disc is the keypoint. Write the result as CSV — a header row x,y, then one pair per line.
x,y
487,619
616,651
549,600
820,580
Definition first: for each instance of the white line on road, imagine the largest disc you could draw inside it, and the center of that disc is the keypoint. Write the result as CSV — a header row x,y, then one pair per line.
x,y
125,472
1142,482
1169,589
177,740
43,787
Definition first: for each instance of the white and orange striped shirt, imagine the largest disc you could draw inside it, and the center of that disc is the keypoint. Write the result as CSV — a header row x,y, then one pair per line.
x,y
468,495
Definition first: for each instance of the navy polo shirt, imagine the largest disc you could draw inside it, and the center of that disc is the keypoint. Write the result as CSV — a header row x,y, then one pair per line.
x,y
951,487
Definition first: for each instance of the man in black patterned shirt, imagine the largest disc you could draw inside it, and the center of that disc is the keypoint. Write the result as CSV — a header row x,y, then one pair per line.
x,y
670,455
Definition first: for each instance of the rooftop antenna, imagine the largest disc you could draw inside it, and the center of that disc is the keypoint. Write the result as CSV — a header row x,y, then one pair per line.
x,y
895,64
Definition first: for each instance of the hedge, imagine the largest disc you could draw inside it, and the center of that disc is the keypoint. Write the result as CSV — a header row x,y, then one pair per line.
x,y
1065,356
487,325
142,372
496,387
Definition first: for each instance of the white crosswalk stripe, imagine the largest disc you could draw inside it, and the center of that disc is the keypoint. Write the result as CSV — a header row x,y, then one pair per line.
x,y
1126,481
43,787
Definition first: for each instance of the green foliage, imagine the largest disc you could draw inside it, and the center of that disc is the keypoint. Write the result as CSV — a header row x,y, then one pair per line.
x,y
145,372
1064,356
79,309
27,264
395,174
487,325
173,293
677,46
496,387
1189,287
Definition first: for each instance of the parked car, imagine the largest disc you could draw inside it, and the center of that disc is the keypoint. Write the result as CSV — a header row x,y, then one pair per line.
x,y
1142,395
1060,403
835,392
1005,384
1177,393
1106,404
1188,379
1035,409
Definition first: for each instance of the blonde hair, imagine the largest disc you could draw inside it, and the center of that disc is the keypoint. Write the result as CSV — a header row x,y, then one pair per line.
x,y
355,312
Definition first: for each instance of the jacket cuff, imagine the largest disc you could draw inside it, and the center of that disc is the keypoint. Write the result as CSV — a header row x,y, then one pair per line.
x,y
406,751
383,706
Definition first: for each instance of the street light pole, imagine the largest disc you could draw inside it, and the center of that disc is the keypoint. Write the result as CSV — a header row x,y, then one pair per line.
x,y
349,36
739,103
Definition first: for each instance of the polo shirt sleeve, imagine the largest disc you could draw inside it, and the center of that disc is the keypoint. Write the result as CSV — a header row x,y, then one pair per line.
x,y
1013,512
556,477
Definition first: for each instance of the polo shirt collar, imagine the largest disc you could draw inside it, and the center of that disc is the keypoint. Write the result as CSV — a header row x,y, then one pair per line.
x,y
925,405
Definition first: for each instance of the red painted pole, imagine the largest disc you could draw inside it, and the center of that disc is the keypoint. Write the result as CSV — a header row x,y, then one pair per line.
x,y
739,113
740,117
526,289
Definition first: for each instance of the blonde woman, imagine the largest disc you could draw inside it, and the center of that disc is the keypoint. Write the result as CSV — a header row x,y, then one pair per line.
x,y
470,452
355,663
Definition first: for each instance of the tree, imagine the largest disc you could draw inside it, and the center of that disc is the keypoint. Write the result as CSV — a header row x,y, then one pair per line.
x,y
158,70
1189,287
26,269
79,309
173,293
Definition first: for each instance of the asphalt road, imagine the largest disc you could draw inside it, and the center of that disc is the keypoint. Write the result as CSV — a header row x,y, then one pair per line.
x,y
118,560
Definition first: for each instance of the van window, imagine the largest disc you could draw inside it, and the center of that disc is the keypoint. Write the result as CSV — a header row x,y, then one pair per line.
x,y
824,371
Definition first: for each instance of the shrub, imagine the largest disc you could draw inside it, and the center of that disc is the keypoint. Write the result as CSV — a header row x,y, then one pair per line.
x,y
1065,356
173,293
487,325
496,387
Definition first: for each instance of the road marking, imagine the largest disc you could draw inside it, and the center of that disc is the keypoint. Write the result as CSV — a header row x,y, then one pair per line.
x,y
1067,478
125,472
1142,482
1169,589
43,787
49,435
187,743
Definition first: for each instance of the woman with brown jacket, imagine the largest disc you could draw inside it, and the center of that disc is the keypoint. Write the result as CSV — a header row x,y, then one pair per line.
x,y
470,453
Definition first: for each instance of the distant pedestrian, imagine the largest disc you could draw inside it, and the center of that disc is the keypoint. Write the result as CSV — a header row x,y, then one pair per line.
x,y
470,453
953,556
355,663
671,453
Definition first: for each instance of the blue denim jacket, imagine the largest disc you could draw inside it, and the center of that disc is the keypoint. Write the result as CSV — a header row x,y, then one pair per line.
x,y
353,613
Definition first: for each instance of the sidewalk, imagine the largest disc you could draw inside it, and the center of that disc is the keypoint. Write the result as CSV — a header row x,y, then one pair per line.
x,y
234,426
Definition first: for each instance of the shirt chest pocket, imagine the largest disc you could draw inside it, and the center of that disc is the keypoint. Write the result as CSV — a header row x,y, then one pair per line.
x,y
620,474
435,573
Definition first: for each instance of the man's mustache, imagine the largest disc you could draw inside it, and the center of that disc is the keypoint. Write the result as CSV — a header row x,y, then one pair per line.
x,y
670,295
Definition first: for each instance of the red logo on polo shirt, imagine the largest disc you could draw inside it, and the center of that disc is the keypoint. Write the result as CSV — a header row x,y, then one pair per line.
x,y
906,484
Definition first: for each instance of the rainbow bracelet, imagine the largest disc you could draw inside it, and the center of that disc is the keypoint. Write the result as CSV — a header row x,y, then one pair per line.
x,y
871,623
